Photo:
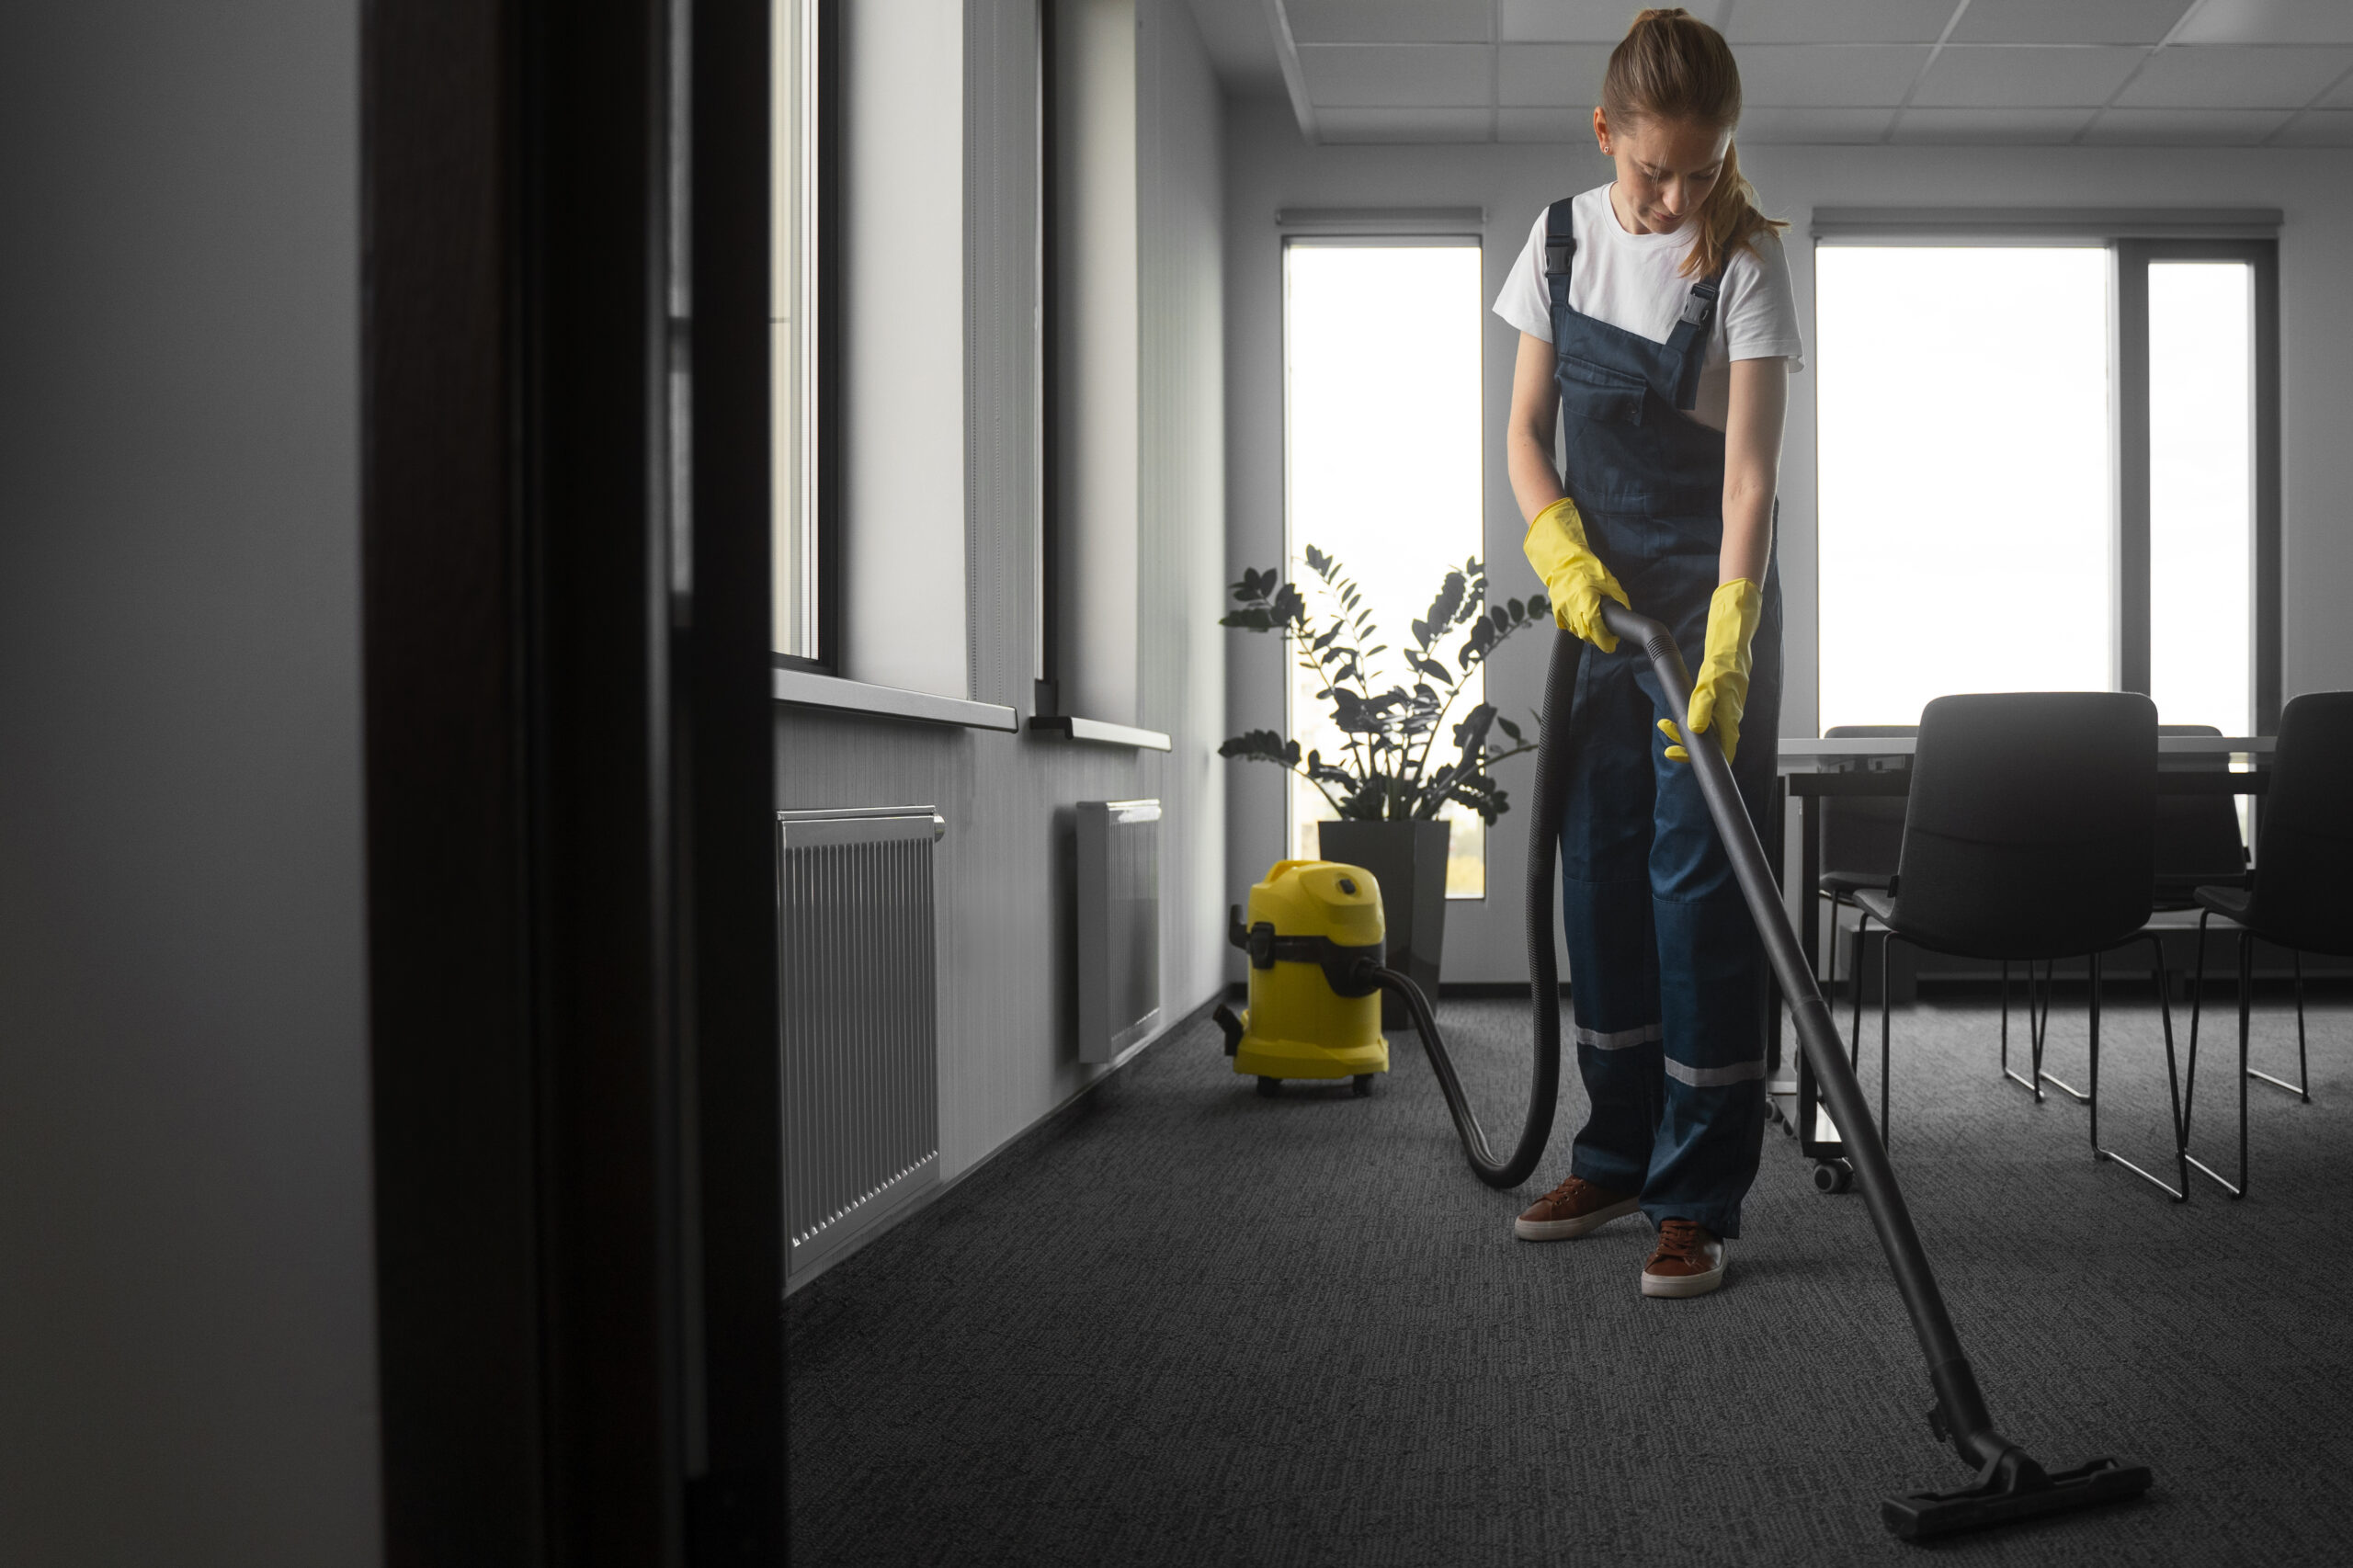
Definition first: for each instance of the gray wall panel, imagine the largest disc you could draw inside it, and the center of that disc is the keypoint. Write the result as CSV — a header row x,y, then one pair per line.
x,y
186,1295
1268,168
1009,1055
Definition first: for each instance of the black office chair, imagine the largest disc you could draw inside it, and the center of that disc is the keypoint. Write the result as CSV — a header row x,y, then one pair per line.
x,y
2031,836
2197,845
2301,896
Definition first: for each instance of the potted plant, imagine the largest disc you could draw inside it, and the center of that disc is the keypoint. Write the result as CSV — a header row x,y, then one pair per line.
x,y
1386,788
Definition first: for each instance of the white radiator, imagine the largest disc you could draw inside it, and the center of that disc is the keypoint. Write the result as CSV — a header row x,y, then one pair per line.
x,y
1119,926
858,1020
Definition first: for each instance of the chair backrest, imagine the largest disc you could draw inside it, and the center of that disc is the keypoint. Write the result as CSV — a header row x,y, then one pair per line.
x,y
2303,868
2198,843
1863,833
2031,832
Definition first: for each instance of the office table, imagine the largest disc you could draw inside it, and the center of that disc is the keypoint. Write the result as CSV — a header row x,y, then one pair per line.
x,y
1812,769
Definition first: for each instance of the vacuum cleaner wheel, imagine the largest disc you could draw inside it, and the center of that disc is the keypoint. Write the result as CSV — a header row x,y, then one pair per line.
x,y
1270,1087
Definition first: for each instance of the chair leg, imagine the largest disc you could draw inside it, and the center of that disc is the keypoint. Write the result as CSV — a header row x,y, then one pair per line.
x,y
2179,1194
2247,987
2302,1088
2005,1017
2094,1100
2064,1087
2034,1037
1855,1035
2197,999
2173,1079
1886,941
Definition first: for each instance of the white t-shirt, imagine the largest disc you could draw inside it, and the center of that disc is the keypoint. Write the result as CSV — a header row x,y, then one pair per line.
x,y
1630,281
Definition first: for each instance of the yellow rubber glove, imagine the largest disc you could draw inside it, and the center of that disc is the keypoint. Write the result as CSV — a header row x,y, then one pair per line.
x,y
1575,579
1721,691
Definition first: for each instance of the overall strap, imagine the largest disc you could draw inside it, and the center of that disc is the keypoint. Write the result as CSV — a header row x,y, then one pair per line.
x,y
1699,309
1559,248
1690,339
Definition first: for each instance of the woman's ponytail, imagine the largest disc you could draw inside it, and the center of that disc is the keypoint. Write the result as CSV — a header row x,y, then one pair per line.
x,y
1671,65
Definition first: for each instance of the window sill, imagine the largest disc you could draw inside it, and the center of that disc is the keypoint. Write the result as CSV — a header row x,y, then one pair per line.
x,y
804,688
1100,730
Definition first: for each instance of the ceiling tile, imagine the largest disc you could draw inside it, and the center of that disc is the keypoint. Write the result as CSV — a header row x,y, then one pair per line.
x,y
2224,76
2068,21
1811,127
2318,128
1549,124
1389,21
1992,127
1836,21
1551,76
2338,97
2184,126
1580,21
1988,76
2270,21
1799,75
1344,125
1397,75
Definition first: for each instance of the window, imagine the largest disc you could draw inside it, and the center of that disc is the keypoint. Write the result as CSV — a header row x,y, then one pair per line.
x,y
1987,576
2201,493
2048,466
1383,464
867,127
793,336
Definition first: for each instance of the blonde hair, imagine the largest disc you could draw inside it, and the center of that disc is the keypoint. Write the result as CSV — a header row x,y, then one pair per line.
x,y
1671,65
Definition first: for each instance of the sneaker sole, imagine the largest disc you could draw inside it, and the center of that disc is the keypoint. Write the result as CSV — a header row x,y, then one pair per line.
x,y
1568,1230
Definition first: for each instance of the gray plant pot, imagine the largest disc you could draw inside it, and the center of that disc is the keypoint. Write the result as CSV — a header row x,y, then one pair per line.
x,y
1408,859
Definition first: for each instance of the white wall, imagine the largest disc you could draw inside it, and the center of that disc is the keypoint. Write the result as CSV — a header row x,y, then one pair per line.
x,y
1010,1056
1268,167
187,1336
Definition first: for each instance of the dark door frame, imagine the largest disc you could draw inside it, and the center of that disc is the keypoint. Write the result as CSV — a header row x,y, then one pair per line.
x,y
569,911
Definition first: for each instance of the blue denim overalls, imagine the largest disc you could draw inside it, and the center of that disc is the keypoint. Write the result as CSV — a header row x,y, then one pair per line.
x,y
1667,973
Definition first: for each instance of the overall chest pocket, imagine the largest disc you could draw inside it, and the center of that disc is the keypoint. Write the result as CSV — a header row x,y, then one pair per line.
x,y
1597,392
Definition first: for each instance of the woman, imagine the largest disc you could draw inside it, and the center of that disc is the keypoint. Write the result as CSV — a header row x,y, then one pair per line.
x,y
1657,325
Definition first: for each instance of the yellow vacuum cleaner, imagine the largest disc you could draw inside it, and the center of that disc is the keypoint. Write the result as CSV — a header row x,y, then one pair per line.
x,y
1315,1007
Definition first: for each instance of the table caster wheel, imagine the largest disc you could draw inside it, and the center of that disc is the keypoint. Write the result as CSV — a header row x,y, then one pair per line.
x,y
1772,1111
1833,1176
1270,1087
1364,1084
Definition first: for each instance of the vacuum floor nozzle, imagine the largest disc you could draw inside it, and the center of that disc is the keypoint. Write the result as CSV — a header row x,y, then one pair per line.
x,y
2012,1487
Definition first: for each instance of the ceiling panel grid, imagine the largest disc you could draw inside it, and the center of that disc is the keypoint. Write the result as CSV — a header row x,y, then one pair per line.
x,y
2163,72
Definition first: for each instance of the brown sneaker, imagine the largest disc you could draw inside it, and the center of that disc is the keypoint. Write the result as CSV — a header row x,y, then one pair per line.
x,y
1688,1262
1572,1209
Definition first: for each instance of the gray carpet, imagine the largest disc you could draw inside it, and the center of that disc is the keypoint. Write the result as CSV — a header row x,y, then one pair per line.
x,y
1185,1324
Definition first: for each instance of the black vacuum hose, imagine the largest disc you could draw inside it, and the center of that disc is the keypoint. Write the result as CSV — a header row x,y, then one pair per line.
x,y
1544,975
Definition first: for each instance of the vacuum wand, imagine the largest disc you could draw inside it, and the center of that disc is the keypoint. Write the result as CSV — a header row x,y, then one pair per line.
x,y
2009,1485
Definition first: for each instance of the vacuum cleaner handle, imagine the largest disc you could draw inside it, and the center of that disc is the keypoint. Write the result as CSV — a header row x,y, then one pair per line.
x,y
2010,1483
1816,1034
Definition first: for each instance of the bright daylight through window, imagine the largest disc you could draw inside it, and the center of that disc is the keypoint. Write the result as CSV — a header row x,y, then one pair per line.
x,y
2201,492
1381,346
1966,475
